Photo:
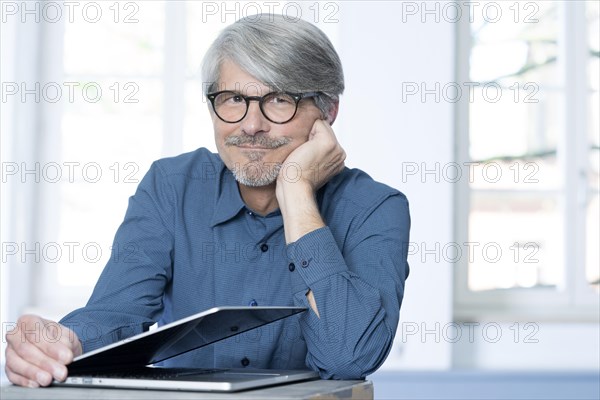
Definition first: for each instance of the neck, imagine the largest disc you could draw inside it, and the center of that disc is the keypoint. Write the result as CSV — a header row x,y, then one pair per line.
x,y
261,200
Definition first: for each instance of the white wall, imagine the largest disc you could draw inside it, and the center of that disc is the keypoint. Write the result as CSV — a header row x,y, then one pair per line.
x,y
19,122
383,135
7,52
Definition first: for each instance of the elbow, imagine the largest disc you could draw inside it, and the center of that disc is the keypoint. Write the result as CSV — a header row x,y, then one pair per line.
x,y
347,371
342,372
355,367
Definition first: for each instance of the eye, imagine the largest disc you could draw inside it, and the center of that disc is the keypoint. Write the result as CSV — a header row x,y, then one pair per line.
x,y
237,98
230,98
281,99
233,98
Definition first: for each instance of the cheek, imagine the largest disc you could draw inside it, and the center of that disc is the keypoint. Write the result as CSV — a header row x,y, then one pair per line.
x,y
301,132
221,130
285,151
307,118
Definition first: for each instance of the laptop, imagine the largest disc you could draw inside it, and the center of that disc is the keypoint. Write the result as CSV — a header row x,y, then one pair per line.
x,y
129,362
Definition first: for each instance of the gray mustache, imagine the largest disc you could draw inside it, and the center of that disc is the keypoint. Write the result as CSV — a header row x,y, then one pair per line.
x,y
257,140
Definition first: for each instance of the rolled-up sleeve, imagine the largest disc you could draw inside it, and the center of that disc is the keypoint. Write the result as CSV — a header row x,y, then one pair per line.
x,y
358,287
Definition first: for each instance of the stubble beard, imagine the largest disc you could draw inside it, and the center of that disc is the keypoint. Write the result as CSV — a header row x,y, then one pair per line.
x,y
256,173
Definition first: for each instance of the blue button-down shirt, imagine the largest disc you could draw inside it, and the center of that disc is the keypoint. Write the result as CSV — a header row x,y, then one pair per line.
x,y
188,243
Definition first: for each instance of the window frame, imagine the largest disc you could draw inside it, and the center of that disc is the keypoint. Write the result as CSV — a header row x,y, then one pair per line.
x,y
46,295
575,300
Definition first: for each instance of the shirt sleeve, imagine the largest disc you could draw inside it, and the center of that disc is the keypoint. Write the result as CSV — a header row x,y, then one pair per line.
x,y
358,291
128,296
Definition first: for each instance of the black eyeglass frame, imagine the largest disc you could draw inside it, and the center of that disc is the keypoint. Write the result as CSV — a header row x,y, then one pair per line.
x,y
297,98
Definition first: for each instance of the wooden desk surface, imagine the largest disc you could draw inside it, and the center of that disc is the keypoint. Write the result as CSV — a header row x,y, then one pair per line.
x,y
320,389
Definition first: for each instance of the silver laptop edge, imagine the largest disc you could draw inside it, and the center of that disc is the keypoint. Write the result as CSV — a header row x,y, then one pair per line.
x,y
238,380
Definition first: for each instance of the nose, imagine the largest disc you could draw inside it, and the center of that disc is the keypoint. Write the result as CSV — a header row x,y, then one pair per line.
x,y
254,122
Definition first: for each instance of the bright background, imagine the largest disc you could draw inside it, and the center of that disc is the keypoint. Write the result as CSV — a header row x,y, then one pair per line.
x,y
485,116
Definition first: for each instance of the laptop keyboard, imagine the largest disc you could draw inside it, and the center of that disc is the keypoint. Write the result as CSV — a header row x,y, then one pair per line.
x,y
154,373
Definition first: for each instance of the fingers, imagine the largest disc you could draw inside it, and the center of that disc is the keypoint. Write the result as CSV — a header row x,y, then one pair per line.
x,y
38,350
25,373
16,378
324,133
61,343
321,126
321,157
335,152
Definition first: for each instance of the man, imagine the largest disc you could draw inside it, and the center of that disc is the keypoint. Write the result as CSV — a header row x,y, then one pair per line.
x,y
274,219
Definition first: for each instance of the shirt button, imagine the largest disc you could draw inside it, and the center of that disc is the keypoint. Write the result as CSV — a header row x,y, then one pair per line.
x,y
245,362
253,303
291,267
264,247
304,263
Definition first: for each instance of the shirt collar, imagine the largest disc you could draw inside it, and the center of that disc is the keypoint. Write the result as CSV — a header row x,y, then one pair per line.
x,y
228,201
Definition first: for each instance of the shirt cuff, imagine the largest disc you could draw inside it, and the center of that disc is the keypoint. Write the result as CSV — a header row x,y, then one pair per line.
x,y
314,257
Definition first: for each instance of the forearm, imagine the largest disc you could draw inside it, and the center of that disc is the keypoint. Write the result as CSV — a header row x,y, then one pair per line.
x,y
99,325
353,331
356,275
301,216
351,339
299,209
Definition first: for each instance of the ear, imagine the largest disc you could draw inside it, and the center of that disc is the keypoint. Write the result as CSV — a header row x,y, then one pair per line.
x,y
333,111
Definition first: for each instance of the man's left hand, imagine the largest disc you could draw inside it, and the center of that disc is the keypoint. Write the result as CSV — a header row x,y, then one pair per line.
x,y
316,161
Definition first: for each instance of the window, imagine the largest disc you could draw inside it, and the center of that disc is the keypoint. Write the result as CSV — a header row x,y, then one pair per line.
x,y
119,88
110,130
527,219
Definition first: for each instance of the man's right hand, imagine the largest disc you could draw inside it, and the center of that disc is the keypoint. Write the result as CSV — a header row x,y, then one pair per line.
x,y
38,351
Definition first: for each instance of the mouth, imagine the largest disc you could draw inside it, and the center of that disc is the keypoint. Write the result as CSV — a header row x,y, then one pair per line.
x,y
251,147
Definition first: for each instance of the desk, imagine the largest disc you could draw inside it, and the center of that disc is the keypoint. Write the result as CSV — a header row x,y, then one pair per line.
x,y
321,389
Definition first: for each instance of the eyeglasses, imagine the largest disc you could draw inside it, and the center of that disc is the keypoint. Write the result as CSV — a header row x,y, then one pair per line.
x,y
277,107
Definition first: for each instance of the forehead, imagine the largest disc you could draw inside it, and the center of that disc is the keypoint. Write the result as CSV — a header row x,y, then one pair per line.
x,y
232,77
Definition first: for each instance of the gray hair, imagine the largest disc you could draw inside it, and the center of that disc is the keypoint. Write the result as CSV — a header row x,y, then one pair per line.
x,y
286,55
